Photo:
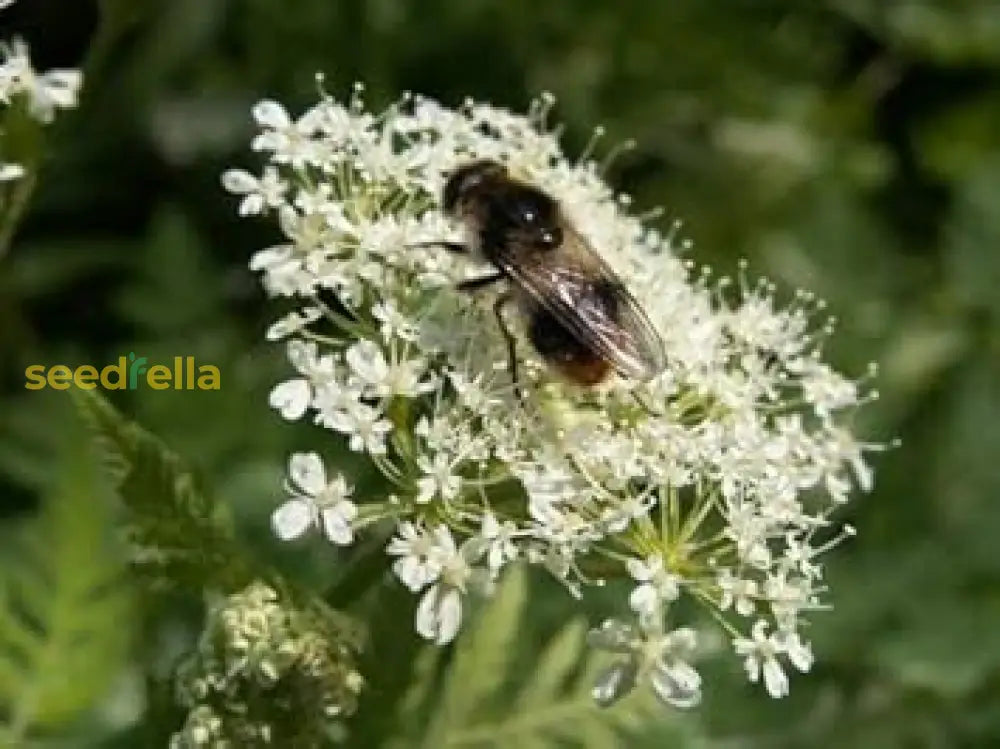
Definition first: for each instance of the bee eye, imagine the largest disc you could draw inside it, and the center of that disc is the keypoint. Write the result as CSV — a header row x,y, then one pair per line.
x,y
467,179
459,185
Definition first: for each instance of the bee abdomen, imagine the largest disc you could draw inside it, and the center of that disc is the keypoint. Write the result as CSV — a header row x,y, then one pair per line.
x,y
565,352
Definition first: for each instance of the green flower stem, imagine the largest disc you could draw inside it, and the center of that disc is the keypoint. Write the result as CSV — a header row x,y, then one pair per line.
x,y
20,143
15,206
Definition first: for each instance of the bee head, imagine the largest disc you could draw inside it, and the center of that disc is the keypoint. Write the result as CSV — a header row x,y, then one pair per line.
x,y
467,179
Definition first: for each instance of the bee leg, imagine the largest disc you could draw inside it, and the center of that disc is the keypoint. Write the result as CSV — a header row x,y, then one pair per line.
x,y
474,284
456,248
498,306
645,406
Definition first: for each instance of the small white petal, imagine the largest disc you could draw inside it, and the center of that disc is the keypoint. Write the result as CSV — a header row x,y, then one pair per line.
x,y
306,471
798,653
489,527
337,527
63,84
678,685
775,679
251,205
367,361
410,572
644,600
614,683
444,540
269,258
612,635
291,398
426,489
269,113
238,181
292,519
450,616
427,615
638,569
745,606
683,641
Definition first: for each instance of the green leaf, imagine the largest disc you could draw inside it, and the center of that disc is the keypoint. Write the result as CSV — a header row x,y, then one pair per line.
x,y
483,701
62,606
176,534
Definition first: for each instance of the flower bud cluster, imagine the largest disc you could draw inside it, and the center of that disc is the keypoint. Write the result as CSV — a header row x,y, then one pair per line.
x,y
263,673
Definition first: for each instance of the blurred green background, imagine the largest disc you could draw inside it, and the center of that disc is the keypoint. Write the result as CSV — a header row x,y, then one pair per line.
x,y
849,147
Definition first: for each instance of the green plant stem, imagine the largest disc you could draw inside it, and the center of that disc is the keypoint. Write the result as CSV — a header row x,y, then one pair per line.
x,y
20,197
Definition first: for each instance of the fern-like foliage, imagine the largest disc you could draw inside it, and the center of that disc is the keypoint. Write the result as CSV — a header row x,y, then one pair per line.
x,y
475,701
176,535
274,663
62,604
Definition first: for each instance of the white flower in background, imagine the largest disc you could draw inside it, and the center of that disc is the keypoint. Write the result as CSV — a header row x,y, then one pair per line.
x,y
42,93
439,613
760,652
11,172
45,92
730,463
649,653
260,194
315,501
16,72
293,397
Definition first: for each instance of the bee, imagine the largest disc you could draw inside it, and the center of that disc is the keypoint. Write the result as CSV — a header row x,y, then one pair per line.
x,y
580,317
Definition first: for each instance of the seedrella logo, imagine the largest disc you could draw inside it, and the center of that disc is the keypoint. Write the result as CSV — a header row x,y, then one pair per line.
x,y
129,372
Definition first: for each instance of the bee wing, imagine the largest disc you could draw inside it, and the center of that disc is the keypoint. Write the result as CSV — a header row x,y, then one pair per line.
x,y
583,293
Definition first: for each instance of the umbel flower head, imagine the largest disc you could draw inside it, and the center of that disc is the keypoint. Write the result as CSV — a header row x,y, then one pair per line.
x,y
714,481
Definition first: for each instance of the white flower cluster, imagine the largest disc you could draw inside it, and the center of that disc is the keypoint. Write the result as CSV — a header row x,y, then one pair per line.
x,y
43,93
715,481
